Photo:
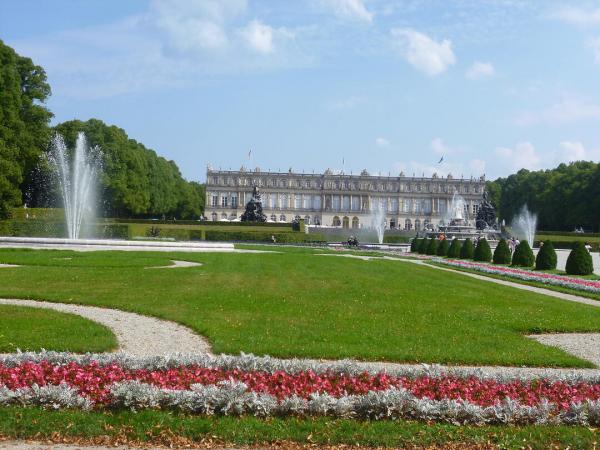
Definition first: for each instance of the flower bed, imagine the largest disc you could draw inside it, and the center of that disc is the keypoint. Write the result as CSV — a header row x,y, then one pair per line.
x,y
579,284
228,386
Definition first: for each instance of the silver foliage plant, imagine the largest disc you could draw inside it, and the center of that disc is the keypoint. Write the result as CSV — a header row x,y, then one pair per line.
x,y
249,362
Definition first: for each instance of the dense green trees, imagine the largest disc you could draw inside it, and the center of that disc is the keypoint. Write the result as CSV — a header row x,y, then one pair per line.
x,y
24,120
564,197
443,246
136,181
432,246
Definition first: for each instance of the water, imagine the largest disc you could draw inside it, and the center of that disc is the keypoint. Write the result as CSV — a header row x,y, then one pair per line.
x,y
524,225
76,177
456,211
378,218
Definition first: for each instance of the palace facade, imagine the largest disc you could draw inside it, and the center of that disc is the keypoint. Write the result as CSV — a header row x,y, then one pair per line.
x,y
340,200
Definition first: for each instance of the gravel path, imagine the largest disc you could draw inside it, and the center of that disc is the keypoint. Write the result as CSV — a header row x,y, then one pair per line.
x,y
136,334
7,265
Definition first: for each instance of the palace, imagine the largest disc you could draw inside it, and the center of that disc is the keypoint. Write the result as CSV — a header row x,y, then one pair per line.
x,y
340,200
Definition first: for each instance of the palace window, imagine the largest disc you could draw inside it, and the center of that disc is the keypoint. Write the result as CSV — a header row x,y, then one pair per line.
x,y
298,201
214,201
214,217
282,218
224,200
316,202
345,202
475,209
306,201
356,203
273,218
336,203
336,221
215,180
234,201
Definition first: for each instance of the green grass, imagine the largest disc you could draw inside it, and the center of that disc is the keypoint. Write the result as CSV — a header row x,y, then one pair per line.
x,y
33,329
550,287
165,428
297,304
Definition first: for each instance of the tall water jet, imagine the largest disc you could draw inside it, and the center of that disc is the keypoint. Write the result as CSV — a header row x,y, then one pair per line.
x,y
456,210
524,225
378,218
76,175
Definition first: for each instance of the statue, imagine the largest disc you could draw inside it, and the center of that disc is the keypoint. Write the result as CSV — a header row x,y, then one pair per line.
x,y
254,212
486,215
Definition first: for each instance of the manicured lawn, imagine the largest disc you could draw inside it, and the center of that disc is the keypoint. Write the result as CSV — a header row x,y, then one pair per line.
x,y
177,430
33,329
550,287
295,303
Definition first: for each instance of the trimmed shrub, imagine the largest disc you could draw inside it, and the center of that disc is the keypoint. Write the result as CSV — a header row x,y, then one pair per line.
x,y
546,257
443,247
432,246
414,245
423,246
467,250
482,252
454,250
502,253
523,255
579,261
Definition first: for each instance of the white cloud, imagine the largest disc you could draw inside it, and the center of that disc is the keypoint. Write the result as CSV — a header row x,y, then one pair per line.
x,y
594,45
259,37
348,9
522,156
570,151
480,70
570,109
422,52
577,16
477,166
382,142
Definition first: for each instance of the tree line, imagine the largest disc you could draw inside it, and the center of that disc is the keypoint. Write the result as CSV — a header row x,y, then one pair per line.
x,y
135,181
564,198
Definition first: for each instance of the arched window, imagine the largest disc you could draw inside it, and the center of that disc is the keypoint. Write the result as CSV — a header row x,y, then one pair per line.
x,y
317,220
282,218
307,220
407,224
392,223
224,216
232,216
346,222
214,217
336,221
355,222
273,218
418,224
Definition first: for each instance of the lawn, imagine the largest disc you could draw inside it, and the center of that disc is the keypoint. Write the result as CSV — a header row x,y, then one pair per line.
x,y
296,303
178,430
34,329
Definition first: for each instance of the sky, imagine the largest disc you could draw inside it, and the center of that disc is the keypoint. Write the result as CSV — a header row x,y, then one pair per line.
x,y
467,87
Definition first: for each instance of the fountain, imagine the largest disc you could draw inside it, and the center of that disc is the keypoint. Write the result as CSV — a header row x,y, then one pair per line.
x,y
76,177
378,219
524,225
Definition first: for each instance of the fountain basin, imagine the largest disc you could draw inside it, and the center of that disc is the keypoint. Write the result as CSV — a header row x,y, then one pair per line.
x,y
110,244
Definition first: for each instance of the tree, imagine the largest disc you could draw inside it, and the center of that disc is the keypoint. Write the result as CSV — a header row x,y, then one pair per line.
x,y
414,245
466,251
136,182
523,255
454,250
432,246
24,130
423,245
443,247
483,252
502,253
546,257
579,261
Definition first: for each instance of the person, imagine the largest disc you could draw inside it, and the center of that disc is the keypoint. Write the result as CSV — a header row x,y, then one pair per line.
x,y
511,244
517,242
273,239
588,247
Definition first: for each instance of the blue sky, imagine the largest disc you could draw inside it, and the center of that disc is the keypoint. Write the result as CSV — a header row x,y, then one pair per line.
x,y
390,86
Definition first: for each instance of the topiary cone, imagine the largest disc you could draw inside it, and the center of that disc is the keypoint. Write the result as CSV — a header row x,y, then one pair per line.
x,y
483,252
423,246
523,255
467,250
579,261
502,253
454,250
432,247
443,247
546,257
